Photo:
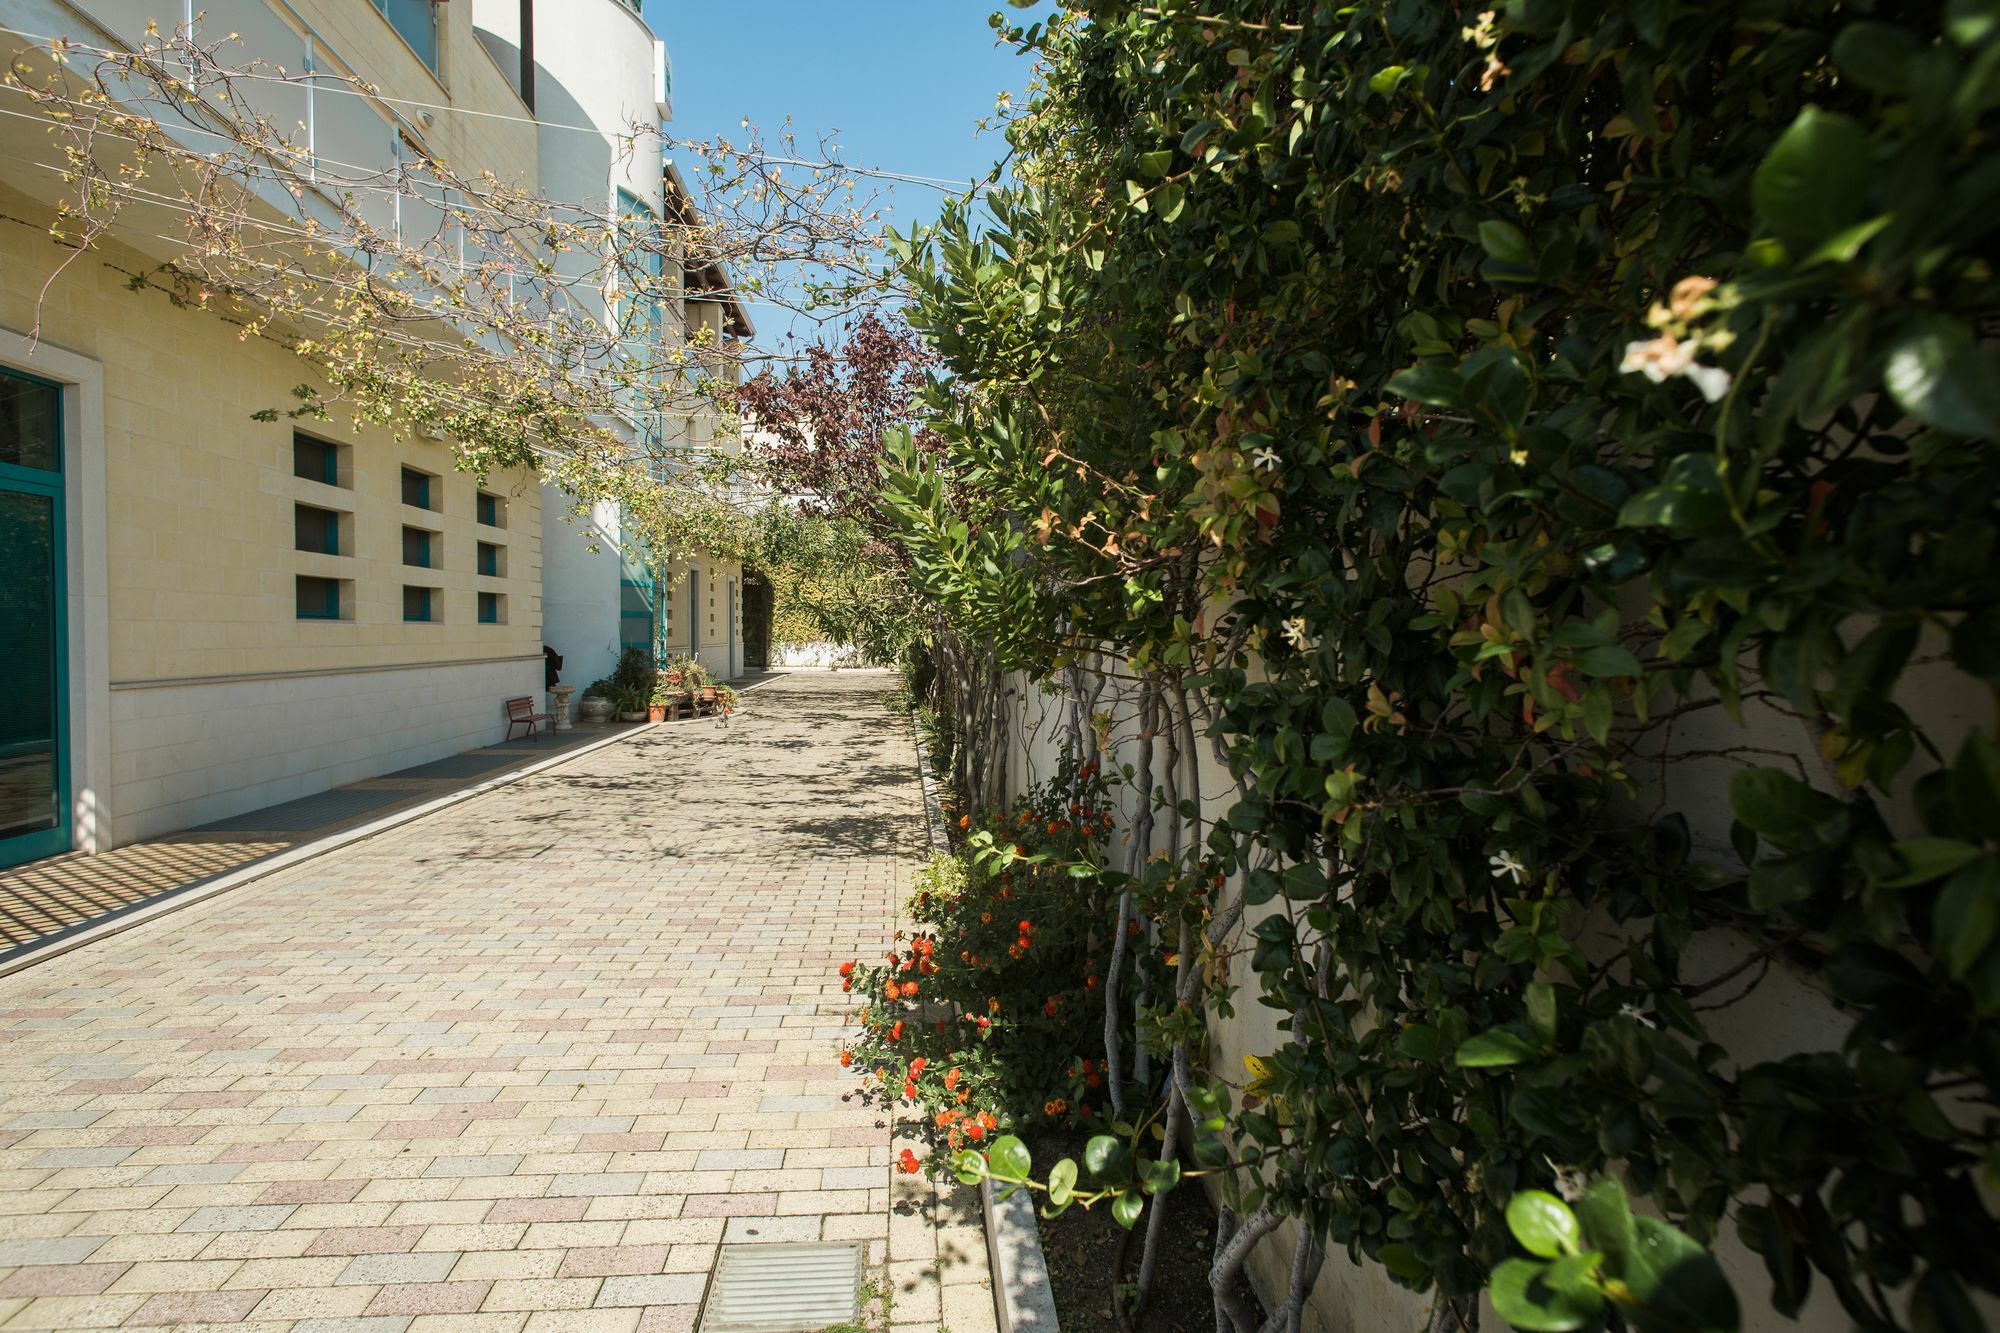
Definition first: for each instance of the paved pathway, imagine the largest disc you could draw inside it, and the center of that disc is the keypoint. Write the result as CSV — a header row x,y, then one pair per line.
x,y
64,894
524,1063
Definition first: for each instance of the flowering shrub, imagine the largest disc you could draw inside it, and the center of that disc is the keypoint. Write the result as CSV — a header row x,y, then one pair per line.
x,y
985,1014
1446,412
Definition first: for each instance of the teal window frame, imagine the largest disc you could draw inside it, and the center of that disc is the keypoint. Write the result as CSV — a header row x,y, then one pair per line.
x,y
330,545
423,480
329,468
489,608
635,214
489,559
650,615
488,509
328,608
427,555
425,603
420,15
49,484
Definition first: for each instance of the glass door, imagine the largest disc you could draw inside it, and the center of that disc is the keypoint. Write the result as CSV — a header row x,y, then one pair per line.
x,y
34,723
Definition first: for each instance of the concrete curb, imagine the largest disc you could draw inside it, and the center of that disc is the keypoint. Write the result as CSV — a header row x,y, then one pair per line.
x,y
1023,1301
1022,1296
201,890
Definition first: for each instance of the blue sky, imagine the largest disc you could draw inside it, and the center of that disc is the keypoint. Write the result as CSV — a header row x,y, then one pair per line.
x,y
904,82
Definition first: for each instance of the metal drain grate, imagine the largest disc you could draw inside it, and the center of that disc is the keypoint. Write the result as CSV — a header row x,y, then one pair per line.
x,y
781,1288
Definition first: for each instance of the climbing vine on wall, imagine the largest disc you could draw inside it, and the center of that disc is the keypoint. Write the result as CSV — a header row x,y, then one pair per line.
x,y
1445,413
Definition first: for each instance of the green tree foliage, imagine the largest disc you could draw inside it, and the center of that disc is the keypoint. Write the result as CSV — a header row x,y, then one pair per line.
x,y
1454,404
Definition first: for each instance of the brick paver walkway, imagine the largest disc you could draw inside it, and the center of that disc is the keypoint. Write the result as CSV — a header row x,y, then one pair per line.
x,y
46,898
524,1063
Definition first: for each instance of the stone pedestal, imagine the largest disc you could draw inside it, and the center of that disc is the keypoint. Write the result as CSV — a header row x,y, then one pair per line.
x,y
561,709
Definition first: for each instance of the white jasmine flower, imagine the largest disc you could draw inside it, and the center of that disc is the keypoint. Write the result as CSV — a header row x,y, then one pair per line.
x,y
1662,358
1296,635
1636,1014
1713,381
1265,459
1571,1183
1657,358
1507,864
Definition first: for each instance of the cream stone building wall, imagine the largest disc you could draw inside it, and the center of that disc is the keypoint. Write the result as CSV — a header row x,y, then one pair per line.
x,y
196,690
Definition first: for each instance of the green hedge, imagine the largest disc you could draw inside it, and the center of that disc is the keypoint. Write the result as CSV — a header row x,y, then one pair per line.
x,y
1526,384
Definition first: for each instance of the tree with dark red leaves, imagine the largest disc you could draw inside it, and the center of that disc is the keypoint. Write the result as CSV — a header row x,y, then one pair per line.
x,y
817,432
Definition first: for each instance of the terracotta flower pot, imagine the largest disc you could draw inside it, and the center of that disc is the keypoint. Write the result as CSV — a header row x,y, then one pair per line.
x,y
656,712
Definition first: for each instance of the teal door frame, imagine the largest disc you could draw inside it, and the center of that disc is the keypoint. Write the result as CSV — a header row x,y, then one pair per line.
x,y
50,486
729,626
694,610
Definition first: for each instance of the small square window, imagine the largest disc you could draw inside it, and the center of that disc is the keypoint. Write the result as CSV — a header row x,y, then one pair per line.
x,y
318,599
489,560
492,510
315,460
418,488
491,609
315,529
420,548
419,604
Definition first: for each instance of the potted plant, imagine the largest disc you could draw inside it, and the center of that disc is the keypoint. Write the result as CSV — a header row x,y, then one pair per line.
x,y
630,703
665,702
727,699
596,705
684,674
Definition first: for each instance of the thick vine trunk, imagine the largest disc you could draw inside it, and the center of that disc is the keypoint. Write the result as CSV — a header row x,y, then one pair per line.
x,y
1234,1314
1142,830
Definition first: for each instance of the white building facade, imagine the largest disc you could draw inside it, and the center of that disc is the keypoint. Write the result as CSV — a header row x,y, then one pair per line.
x,y
600,84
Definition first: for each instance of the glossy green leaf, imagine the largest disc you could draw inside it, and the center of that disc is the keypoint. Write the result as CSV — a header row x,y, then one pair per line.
x,y
1967,915
1062,1181
1105,1158
1816,178
1490,1050
1522,1295
1938,373
1009,1158
1543,1224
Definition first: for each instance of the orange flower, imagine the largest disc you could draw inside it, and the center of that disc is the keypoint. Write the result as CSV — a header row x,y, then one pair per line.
x,y
896,1032
908,1163
917,1067
963,1093
951,1078
976,1130
909,1090
965,821
846,1059
988,1119
847,969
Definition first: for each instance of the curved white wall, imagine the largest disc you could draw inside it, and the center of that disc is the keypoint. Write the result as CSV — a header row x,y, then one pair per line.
x,y
594,92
